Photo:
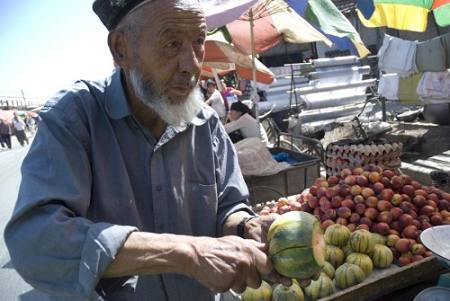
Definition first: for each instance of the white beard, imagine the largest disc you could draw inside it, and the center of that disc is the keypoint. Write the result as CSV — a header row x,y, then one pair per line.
x,y
173,114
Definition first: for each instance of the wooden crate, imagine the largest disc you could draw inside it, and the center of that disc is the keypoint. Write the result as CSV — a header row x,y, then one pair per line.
x,y
385,281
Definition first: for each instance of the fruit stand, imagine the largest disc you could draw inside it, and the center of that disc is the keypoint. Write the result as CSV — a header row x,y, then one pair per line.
x,y
372,219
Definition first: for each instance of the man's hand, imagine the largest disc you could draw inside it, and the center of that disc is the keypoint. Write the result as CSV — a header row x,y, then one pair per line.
x,y
227,263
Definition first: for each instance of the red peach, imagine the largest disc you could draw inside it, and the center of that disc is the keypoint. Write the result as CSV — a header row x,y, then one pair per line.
x,y
436,219
396,226
336,201
360,208
385,217
345,172
344,190
355,190
333,180
350,180
327,223
386,182
421,192
443,204
348,203
359,199
363,226
397,182
403,260
405,220
402,245
367,192
354,218
396,212
416,258
384,205
388,173
433,196
361,181
365,221
383,228
374,177
392,239
427,210
426,225
406,207
396,199
351,227
357,170
409,190
371,213
321,192
416,185
372,202
428,254
342,221
419,201
378,187
410,232
344,212
418,249
387,194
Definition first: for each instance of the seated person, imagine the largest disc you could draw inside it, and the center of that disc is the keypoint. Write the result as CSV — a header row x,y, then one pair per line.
x,y
242,123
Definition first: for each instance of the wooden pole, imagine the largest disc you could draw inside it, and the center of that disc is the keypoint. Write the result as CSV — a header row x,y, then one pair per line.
x,y
254,92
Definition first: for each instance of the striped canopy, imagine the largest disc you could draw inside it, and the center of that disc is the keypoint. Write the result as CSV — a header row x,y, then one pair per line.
x,y
409,15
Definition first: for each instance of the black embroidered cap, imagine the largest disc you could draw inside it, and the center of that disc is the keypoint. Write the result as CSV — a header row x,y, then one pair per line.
x,y
111,12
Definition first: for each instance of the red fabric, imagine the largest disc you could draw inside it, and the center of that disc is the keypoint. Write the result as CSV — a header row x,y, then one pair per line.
x,y
438,3
266,37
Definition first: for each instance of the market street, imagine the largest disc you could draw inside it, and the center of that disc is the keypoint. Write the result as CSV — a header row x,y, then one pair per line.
x,y
12,287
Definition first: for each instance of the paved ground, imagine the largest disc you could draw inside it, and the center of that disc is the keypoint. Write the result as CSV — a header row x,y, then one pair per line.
x,y
12,287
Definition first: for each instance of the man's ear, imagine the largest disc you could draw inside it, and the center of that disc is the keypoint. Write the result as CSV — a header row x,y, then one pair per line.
x,y
117,43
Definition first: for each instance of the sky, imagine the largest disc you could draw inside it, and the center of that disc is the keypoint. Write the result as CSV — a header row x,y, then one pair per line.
x,y
45,45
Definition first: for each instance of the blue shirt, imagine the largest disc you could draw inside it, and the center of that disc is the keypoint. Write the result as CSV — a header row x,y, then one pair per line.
x,y
93,175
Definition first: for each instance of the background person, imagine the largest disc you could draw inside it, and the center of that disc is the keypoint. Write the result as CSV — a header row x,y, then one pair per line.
x,y
242,124
215,100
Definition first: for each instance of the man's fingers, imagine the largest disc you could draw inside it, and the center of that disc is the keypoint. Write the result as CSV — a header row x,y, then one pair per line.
x,y
254,279
239,288
262,263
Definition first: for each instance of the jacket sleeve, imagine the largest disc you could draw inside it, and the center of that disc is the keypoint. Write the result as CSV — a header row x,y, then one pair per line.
x,y
52,244
231,187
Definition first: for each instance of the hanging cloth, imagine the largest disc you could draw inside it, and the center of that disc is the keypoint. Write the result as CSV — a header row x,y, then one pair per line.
x,y
407,87
397,56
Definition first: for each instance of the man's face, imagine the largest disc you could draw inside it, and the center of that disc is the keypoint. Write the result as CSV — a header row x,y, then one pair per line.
x,y
169,48
211,89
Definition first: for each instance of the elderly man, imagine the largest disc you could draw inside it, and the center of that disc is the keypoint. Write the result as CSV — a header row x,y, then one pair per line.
x,y
131,189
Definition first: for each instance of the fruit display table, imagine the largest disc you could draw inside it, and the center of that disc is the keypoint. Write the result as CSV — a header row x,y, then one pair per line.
x,y
386,281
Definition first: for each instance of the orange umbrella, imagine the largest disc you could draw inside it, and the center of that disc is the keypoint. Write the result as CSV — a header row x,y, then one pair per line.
x,y
225,57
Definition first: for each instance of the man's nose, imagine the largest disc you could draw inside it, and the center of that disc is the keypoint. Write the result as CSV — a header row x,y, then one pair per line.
x,y
190,60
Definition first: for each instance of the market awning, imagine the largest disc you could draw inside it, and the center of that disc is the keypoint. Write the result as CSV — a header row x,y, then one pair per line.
x,y
224,57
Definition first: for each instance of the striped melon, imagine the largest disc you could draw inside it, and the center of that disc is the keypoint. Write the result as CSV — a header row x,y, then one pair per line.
x,y
337,235
328,269
292,293
263,293
348,274
362,241
382,256
296,245
347,250
361,260
334,255
379,239
320,288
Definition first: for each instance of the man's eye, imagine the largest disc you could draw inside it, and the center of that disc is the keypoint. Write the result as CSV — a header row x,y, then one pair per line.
x,y
173,45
